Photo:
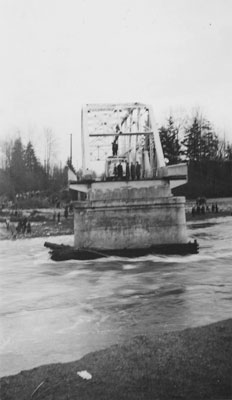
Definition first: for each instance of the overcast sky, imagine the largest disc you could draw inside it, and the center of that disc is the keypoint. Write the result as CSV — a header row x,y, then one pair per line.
x,y
59,54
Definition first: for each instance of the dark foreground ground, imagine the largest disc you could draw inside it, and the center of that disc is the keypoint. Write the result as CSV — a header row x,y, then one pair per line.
x,y
190,364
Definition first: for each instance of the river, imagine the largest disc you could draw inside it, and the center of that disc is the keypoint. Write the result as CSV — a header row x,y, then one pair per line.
x,y
57,312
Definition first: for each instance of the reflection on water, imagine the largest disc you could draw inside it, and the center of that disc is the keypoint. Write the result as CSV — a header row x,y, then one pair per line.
x,y
54,312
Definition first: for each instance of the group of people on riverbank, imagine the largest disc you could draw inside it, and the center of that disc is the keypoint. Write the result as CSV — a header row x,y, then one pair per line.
x,y
23,227
201,209
130,172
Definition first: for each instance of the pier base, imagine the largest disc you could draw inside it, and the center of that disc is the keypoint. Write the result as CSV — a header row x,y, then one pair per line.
x,y
129,218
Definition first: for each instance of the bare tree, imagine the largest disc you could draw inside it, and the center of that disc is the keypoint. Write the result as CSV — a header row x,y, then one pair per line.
x,y
6,153
50,149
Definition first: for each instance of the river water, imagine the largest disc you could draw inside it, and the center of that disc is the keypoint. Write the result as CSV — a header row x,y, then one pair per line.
x,y
57,312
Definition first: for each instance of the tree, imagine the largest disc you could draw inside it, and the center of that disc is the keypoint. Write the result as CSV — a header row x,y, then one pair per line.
x,y
6,187
228,152
209,142
221,152
50,144
200,140
59,178
170,141
22,171
35,174
31,161
192,139
17,166
6,147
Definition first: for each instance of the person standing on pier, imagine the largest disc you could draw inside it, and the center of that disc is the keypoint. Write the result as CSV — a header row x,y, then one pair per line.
x,y
114,148
127,171
120,171
115,172
132,171
138,170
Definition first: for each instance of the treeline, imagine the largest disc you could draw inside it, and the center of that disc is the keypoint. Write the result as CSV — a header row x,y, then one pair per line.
x,y
21,172
209,158
195,140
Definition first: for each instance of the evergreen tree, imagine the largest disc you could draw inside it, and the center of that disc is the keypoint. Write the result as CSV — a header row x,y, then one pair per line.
x,y
200,140
36,177
31,161
6,187
17,166
192,140
59,179
170,141
209,142
22,171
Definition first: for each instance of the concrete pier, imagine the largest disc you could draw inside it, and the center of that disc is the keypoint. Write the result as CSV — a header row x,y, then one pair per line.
x,y
122,217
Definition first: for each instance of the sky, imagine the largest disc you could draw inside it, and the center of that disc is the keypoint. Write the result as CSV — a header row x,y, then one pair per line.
x,y
59,54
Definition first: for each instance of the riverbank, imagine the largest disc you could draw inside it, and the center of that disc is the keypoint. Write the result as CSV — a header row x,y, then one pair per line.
x,y
46,228
207,215
190,364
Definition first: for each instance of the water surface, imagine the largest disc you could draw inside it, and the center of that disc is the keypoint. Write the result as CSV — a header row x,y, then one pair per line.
x,y
57,312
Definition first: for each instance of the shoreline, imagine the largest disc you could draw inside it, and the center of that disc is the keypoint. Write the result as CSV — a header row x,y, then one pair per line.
x,y
46,229
49,228
207,215
194,363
